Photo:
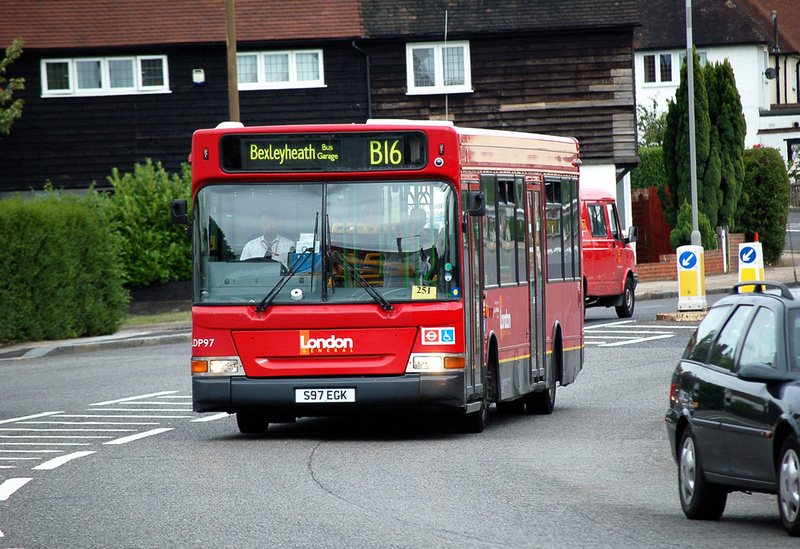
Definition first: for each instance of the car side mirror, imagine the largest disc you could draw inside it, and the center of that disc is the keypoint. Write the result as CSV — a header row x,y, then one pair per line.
x,y
178,212
633,234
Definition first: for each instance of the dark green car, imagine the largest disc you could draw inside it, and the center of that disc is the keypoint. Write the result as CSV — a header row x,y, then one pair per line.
x,y
734,415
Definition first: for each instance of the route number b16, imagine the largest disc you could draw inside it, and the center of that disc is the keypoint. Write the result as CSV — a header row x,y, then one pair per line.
x,y
385,152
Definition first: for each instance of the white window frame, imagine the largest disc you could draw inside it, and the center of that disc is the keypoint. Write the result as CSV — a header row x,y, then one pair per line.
x,y
292,82
105,76
439,86
659,76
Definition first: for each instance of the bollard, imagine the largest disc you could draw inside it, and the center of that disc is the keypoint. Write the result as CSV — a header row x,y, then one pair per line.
x,y
691,279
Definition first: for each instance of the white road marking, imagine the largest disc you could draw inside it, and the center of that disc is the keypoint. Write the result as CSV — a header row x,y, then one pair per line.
x,y
128,399
43,414
12,485
221,415
131,438
61,460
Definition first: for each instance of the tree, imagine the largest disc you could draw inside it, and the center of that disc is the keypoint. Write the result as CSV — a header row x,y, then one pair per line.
x,y
650,171
676,152
728,128
651,125
7,88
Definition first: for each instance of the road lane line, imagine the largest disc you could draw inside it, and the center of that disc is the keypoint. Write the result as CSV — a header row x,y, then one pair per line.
x,y
61,460
43,414
131,438
12,485
127,399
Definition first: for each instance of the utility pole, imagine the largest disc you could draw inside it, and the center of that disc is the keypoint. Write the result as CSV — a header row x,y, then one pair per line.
x,y
696,240
233,78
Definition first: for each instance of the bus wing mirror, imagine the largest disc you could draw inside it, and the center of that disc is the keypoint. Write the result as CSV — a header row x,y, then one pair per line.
x,y
633,234
476,203
178,212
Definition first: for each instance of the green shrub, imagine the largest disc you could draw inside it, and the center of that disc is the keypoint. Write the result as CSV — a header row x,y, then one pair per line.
x,y
681,235
60,270
650,171
153,250
764,204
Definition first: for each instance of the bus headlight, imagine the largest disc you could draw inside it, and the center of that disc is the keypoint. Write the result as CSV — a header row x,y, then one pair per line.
x,y
434,363
221,366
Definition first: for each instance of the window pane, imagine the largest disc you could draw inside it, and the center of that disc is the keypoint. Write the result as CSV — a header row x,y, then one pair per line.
x,y
705,334
307,67
761,343
424,71
453,64
120,72
152,72
649,68
276,67
57,76
89,77
247,69
724,349
666,67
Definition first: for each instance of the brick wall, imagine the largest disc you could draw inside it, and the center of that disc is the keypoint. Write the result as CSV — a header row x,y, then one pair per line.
x,y
667,268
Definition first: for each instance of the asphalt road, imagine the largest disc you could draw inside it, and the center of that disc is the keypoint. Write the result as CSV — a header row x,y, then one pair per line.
x,y
595,473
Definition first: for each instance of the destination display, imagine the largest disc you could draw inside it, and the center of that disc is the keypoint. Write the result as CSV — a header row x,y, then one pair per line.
x,y
323,152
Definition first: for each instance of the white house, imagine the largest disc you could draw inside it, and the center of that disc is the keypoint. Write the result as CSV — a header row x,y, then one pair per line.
x,y
760,39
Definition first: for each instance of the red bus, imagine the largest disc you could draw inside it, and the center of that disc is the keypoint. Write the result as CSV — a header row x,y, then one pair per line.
x,y
383,266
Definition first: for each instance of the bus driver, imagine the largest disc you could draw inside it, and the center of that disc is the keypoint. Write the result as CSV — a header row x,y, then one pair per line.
x,y
270,244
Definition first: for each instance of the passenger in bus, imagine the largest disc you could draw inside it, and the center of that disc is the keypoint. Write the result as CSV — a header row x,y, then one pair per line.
x,y
270,244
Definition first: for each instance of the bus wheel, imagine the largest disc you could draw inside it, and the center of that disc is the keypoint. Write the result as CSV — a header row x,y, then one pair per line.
x,y
628,301
475,422
542,402
251,423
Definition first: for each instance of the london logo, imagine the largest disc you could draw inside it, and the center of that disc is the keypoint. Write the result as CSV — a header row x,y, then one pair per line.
x,y
331,344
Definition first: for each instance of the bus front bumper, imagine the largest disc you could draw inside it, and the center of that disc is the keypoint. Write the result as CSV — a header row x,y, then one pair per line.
x,y
409,391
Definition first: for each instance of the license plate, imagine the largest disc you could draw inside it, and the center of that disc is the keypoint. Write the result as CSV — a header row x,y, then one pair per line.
x,y
324,395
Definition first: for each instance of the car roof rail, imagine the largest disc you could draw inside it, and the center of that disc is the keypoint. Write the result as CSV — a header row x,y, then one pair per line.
x,y
760,285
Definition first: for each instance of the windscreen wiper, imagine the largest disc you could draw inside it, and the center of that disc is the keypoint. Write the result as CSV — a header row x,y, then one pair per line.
x,y
276,289
363,282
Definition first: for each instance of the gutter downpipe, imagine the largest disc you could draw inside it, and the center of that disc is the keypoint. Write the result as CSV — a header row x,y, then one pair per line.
x,y
369,82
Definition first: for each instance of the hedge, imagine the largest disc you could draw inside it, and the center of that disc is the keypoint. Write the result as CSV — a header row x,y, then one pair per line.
x,y
60,270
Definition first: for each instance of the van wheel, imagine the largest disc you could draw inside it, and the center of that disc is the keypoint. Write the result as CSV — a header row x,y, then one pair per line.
x,y
628,301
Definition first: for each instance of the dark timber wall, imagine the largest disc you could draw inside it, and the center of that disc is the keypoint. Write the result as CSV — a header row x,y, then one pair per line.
x,y
74,141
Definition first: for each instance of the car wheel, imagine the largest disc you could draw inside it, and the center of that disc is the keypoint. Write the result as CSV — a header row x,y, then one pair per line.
x,y
251,423
700,499
628,301
543,402
789,486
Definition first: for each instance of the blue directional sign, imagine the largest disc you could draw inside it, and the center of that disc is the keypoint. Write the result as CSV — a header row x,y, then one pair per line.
x,y
687,260
747,254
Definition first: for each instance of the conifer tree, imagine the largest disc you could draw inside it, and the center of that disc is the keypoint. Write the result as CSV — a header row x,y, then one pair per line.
x,y
728,123
677,162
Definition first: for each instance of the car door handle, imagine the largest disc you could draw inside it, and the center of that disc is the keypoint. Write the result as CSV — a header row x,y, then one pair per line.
x,y
728,396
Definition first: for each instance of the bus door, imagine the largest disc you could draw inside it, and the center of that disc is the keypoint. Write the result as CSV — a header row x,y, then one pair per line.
x,y
473,308
536,279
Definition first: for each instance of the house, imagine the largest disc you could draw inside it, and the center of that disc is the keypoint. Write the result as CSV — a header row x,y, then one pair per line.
x,y
760,38
109,84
